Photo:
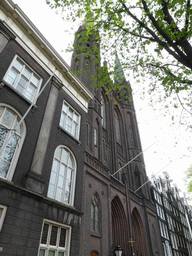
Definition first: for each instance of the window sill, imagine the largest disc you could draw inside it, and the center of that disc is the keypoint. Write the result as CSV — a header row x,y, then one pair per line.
x,y
95,234
119,144
60,203
21,95
61,129
104,128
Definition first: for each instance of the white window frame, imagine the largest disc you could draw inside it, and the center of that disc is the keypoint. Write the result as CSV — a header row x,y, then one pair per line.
x,y
47,246
2,216
18,77
63,120
71,200
19,145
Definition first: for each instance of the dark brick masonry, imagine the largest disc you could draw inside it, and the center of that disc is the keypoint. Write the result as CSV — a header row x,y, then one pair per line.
x,y
22,226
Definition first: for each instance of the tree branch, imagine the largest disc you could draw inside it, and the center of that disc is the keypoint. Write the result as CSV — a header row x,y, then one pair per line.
x,y
187,17
182,40
165,36
179,56
185,45
182,104
134,34
185,81
168,18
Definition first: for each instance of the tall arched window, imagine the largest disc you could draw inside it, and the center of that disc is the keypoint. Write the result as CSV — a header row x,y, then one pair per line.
x,y
11,139
63,174
103,112
94,214
117,128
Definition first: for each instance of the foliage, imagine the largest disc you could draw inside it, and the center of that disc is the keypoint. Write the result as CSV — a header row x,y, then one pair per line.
x,y
152,37
188,179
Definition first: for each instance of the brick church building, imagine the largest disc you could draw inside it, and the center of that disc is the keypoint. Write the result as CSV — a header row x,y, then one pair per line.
x,y
114,214
61,143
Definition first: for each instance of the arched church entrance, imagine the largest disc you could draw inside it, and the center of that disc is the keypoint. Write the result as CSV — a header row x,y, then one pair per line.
x,y
139,245
119,226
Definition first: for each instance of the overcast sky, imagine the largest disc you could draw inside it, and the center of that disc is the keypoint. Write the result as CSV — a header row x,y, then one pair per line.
x,y
154,124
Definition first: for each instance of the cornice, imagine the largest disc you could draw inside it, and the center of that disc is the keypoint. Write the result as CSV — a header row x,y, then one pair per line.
x,y
14,17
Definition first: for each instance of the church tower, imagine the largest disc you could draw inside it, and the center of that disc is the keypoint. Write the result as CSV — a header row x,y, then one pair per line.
x,y
85,60
114,214
136,173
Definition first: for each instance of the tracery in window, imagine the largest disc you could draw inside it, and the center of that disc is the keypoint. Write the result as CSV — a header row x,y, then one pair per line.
x,y
63,174
11,138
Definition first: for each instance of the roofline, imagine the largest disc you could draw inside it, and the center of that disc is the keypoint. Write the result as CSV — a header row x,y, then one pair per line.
x,y
19,15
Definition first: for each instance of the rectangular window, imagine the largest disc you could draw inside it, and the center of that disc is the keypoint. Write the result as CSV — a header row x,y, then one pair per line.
x,y
23,79
55,239
3,210
70,120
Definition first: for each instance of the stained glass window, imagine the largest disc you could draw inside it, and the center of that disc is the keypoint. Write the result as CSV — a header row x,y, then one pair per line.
x,y
54,240
10,136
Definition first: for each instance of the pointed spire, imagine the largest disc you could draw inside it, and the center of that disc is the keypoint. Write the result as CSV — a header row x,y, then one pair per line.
x,y
119,74
122,86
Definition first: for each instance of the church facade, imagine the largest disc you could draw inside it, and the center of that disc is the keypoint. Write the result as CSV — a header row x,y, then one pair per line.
x,y
115,213
61,145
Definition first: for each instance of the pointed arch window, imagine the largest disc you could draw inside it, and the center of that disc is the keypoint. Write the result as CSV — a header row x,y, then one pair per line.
x,y
103,112
63,174
117,128
94,214
11,140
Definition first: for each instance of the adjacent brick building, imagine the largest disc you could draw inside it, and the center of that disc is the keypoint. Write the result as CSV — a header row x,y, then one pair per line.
x,y
174,217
